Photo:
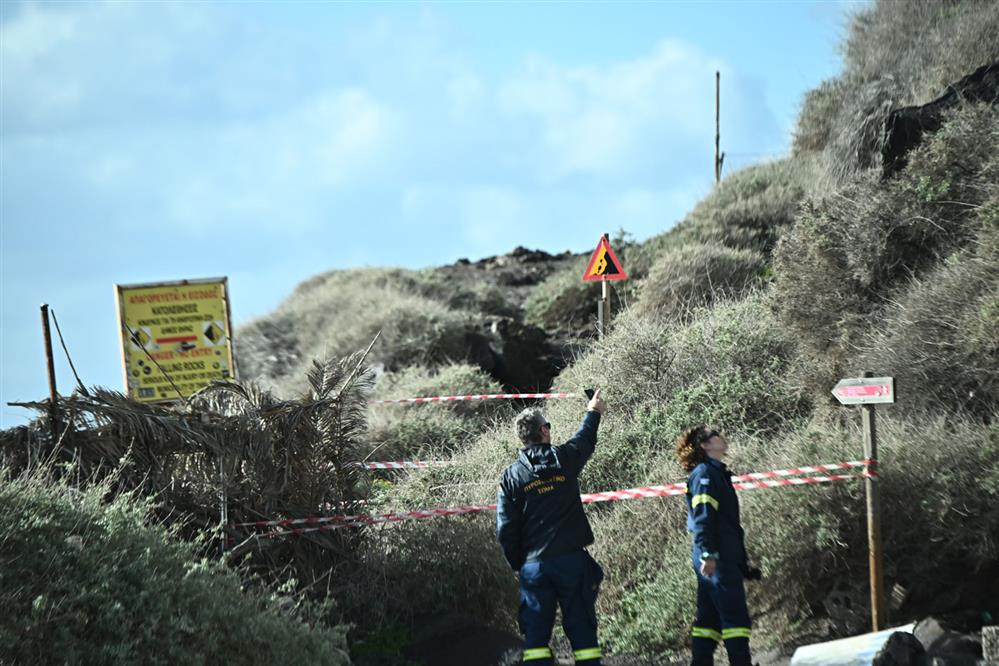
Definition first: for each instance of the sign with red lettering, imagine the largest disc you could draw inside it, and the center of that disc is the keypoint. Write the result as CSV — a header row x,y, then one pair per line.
x,y
175,337
865,390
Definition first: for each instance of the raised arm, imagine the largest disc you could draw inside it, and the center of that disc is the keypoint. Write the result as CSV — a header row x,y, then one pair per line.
x,y
574,453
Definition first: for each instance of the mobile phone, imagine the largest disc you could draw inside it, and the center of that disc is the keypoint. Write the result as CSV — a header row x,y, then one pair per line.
x,y
588,393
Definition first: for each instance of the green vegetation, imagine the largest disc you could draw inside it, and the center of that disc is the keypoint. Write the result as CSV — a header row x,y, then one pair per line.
x,y
86,581
418,431
897,54
788,276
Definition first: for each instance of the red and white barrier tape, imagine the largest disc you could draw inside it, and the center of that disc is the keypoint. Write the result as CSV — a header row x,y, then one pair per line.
x,y
797,471
426,464
483,396
320,523
404,464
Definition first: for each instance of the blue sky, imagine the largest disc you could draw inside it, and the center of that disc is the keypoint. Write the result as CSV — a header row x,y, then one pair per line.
x,y
267,142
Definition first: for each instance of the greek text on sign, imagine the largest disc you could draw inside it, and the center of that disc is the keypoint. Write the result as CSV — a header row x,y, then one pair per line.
x,y
604,264
865,390
185,326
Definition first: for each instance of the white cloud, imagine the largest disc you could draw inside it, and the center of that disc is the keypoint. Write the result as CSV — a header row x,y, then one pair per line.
x,y
604,120
33,34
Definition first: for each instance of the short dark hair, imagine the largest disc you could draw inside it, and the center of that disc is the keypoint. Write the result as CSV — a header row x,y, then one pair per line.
x,y
528,425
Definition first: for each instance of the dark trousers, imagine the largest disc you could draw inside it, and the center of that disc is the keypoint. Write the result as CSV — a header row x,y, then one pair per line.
x,y
572,581
722,615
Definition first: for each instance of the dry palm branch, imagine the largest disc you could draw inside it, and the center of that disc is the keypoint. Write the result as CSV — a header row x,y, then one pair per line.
x,y
267,457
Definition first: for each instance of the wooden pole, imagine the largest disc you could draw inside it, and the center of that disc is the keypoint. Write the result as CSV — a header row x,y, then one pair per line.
x,y
717,126
879,618
50,366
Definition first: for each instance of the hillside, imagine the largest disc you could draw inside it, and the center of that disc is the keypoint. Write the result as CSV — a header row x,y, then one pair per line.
x,y
873,246
788,276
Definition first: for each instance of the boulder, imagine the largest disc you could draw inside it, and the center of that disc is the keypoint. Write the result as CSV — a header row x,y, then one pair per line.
x,y
945,645
905,127
901,649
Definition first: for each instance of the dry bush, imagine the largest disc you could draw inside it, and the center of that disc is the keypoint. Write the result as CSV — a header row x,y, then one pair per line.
x,y
693,276
849,253
727,367
897,54
940,339
339,313
563,302
808,538
268,458
749,209
442,563
401,432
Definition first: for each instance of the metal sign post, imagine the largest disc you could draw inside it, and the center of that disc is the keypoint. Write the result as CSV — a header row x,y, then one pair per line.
x,y
867,392
604,267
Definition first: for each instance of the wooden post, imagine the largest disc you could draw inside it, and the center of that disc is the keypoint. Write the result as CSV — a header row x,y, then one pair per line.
x,y
717,126
879,617
50,365
223,506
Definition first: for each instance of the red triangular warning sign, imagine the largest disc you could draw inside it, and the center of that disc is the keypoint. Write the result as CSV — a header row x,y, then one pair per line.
x,y
604,264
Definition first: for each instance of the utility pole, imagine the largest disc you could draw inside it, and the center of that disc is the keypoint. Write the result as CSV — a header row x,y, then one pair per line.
x,y
718,156
50,367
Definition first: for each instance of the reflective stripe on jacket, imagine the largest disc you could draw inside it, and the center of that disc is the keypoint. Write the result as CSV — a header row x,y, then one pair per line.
x,y
713,513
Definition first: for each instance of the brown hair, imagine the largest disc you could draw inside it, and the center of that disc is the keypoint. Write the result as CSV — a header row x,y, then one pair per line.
x,y
688,446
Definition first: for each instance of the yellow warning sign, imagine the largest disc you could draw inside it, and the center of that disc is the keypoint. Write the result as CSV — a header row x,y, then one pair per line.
x,y
175,337
604,264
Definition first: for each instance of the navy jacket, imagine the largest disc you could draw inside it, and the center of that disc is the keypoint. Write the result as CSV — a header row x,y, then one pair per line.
x,y
713,515
538,511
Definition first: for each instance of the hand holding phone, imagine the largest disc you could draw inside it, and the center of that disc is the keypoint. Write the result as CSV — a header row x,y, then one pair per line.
x,y
596,403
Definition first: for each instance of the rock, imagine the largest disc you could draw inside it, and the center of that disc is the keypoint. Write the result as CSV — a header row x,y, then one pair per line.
x,y
901,649
990,644
528,362
904,127
950,647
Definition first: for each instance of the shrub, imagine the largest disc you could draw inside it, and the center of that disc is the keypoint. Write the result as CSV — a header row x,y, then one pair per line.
x,y
84,582
938,339
748,210
896,54
398,432
729,367
806,539
563,302
450,563
847,254
338,314
694,276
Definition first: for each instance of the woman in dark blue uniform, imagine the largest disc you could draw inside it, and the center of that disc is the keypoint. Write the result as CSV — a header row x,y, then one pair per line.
x,y
719,553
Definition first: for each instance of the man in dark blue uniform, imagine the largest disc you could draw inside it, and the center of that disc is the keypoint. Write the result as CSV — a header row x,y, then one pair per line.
x,y
719,552
543,530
